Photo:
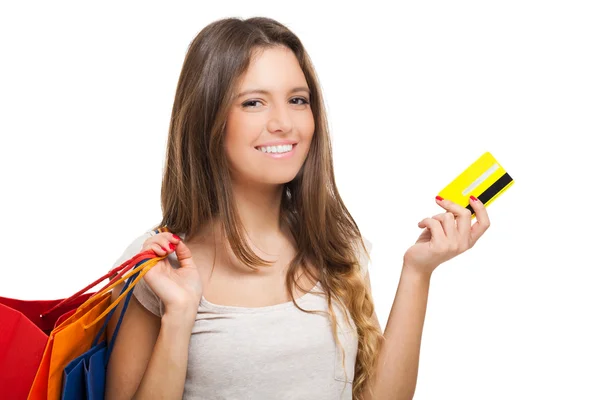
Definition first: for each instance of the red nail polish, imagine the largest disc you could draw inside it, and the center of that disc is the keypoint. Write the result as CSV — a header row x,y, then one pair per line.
x,y
172,246
163,248
473,198
176,237
439,198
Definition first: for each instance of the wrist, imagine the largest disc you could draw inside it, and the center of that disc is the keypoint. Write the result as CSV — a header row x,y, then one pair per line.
x,y
181,315
178,320
416,274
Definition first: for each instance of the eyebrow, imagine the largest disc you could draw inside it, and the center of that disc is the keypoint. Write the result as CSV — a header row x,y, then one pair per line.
x,y
262,91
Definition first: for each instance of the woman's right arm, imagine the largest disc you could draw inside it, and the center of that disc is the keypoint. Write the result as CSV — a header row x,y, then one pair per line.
x,y
149,358
167,368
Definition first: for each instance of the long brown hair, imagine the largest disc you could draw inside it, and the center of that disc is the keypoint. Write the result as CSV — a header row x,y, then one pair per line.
x,y
196,184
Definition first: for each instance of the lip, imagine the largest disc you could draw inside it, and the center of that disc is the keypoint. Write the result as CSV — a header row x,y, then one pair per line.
x,y
278,156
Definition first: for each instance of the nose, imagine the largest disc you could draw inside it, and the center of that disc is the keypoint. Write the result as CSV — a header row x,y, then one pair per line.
x,y
280,119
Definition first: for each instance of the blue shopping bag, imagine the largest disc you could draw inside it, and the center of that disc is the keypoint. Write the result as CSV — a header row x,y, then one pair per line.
x,y
85,376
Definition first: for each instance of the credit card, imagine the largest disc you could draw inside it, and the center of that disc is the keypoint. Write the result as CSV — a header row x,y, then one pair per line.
x,y
484,179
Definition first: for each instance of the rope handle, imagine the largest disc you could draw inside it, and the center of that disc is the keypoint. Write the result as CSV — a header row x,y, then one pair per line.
x,y
117,327
119,271
143,268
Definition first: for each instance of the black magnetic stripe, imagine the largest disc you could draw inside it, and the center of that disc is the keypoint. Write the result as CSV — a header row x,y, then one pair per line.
x,y
493,190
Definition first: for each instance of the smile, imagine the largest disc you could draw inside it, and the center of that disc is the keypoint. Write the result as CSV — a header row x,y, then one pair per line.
x,y
280,151
276,149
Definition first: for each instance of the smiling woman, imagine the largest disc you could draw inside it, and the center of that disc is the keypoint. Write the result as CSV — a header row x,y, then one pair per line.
x,y
264,293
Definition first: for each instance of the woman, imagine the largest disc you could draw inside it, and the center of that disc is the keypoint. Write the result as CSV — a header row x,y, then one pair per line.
x,y
265,292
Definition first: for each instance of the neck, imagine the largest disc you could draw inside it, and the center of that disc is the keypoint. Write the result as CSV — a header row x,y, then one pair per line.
x,y
259,208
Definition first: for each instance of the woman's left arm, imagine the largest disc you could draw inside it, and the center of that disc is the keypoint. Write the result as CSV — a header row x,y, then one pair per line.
x,y
445,236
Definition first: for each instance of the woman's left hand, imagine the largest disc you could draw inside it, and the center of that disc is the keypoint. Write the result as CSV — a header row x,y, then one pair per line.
x,y
446,235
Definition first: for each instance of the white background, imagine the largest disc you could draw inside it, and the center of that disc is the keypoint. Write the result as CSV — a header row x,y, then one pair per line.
x,y
414,93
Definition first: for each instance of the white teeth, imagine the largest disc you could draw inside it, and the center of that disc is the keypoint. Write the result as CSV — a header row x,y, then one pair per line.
x,y
276,149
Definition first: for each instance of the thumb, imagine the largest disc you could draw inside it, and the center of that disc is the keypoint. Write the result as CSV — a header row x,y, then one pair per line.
x,y
184,255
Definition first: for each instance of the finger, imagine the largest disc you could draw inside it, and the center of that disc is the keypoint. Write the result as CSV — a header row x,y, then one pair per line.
x,y
184,255
448,224
166,241
438,216
462,214
158,249
170,241
435,227
156,242
170,237
483,220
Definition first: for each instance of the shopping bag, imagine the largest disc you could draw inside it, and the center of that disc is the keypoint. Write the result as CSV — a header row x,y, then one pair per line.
x,y
85,376
57,348
75,335
24,329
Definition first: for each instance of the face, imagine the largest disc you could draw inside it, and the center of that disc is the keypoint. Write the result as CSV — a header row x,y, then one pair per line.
x,y
270,124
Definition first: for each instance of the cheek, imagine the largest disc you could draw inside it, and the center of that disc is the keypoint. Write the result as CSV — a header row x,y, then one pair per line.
x,y
240,133
308,132
306,126
237,152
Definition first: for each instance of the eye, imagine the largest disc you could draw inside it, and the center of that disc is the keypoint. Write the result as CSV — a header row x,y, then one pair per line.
x,y
301,99
249,103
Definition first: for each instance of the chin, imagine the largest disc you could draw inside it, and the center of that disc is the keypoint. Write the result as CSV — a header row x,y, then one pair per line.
x,y
276,178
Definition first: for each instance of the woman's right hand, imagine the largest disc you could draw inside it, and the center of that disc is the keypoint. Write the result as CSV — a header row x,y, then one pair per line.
x,y
180,289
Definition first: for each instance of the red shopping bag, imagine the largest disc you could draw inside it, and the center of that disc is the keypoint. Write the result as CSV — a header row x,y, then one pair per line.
x,y
24,329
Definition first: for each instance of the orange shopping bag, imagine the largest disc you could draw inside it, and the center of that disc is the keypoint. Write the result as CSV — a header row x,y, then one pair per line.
x,y
75,335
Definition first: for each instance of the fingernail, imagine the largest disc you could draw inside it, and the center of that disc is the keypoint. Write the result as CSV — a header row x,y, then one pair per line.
x,y
172,246
176,237
163,248
439,198
473,198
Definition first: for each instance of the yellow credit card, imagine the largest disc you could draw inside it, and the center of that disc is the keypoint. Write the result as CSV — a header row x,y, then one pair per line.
x,y
484,179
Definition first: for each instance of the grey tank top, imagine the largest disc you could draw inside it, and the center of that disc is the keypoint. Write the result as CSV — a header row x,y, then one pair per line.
x,y
275,352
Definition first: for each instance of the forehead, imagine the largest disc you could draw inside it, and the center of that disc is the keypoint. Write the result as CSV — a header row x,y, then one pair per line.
x,y
273,70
